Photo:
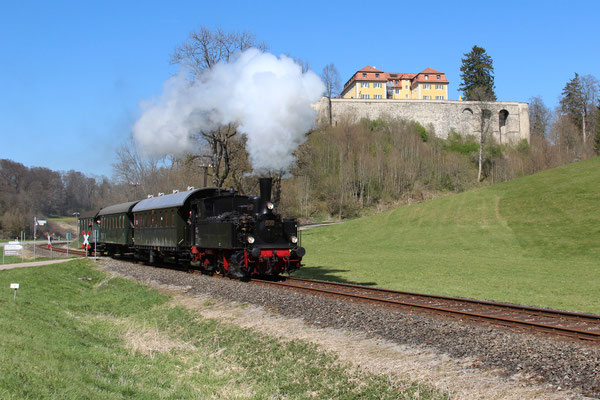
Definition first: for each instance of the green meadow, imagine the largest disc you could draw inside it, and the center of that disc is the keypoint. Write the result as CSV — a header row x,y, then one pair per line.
x,y
534,240
75,333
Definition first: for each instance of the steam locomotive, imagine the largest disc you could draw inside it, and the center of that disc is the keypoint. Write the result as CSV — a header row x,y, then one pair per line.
x,y
210,229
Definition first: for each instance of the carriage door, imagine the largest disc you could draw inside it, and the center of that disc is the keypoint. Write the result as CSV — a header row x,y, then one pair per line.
x,y
193,224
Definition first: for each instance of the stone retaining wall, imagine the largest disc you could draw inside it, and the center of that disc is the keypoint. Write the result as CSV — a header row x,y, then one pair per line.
x,y
508,121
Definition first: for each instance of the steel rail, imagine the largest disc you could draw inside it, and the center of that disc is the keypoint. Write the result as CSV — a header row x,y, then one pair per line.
x,y
581,334
64,250
518,307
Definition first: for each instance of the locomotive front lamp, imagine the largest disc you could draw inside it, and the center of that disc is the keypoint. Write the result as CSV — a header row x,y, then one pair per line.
x,y
250,239
270,205
293,239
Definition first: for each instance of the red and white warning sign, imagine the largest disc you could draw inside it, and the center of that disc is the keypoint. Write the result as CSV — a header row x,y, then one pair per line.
x,y
49,236
86,243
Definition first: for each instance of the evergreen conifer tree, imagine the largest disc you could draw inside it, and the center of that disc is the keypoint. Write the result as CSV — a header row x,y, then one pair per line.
x,y
572,102
477,74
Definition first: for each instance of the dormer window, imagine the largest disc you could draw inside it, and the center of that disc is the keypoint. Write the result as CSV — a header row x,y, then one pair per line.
x,y
364,74
426,77
438,76
376,75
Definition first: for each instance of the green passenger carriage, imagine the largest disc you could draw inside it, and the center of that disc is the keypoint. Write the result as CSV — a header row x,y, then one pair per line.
x,y
116,227
88,225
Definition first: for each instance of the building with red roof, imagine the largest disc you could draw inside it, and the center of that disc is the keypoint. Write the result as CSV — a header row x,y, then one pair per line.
x,y
371,83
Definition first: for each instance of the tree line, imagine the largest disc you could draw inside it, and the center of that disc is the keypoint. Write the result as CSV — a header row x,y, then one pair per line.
x,y
27,192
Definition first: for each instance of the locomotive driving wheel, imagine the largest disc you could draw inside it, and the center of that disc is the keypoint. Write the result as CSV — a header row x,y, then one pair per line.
x,y
237,267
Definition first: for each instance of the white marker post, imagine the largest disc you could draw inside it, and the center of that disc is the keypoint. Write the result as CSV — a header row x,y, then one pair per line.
x,y
15,286
36,222
68,237
95,241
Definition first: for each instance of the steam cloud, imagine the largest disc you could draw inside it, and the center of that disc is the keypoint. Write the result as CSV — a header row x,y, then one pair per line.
x,y
268,98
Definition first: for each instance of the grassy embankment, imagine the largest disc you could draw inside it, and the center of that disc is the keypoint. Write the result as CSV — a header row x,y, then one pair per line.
x,y
534,240
97,338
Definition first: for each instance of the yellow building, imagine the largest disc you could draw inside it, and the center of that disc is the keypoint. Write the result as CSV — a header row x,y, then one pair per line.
x,y
371,83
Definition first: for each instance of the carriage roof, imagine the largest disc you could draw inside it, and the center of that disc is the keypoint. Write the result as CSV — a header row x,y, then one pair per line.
x,y
118,208
89,214
175,199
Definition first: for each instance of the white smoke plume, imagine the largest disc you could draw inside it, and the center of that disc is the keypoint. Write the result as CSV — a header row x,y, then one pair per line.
x,y
269,98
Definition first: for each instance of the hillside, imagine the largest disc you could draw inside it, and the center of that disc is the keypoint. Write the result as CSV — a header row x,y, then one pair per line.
x,y
534,240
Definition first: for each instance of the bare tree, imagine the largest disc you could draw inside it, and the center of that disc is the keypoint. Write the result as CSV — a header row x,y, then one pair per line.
x,y
485,131
331,78
201,51
539,117
220,141
484,97
135,170
589,90
205,48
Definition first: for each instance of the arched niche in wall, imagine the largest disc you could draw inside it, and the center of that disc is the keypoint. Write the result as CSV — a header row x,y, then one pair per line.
x,y
502,121
467,121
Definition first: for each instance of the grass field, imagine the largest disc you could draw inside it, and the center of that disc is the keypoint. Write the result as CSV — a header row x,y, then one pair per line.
x,y
9,259
534,240
73,333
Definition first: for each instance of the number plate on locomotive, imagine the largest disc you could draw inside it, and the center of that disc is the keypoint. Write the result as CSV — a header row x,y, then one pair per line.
x,y
270,222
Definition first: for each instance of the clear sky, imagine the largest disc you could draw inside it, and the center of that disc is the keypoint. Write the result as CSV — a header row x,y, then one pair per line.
x,y
73,73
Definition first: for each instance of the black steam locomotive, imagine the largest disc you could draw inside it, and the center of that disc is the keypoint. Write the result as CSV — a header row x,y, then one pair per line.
x,y
211,229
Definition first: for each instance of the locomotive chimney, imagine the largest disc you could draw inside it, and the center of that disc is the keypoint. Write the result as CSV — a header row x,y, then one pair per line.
x,y
265,191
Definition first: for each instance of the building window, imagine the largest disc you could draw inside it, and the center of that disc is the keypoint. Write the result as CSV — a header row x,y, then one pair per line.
x,y
396,81
426,97
406,87
377,96
426,77
397,91
439,97
364,96
407,96
376,75
377,85
439,87
439,77
364,74
364,84
426,86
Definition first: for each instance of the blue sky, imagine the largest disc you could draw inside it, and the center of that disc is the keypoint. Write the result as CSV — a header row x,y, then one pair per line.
x,y
72,74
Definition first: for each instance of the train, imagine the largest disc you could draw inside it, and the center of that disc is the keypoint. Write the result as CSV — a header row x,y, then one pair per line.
x,y
213,230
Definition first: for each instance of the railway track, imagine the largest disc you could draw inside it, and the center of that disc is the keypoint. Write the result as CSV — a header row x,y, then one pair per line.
x,y
58,249
574,325
570,324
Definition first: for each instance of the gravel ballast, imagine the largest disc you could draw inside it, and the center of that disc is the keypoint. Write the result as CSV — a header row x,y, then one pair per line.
x,y
543,359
